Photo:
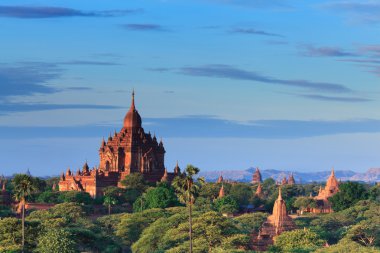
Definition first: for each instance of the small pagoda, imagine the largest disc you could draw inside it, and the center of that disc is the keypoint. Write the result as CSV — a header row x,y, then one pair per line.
x,y
291,180
275,224
256,178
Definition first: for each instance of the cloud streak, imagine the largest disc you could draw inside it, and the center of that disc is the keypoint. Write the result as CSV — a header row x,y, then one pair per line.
x,y
230,72
199,127
256,4
27,79
7,108
252,31
144,27
367,11
312,51
37,12
336,99
84,62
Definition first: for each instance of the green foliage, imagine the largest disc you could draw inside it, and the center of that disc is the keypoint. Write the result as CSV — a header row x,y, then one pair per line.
x,y
48,197
374,193
226,204
56,240
211,231
304,202
334,226
203,204
10,234
242,193
349,194
109,223
157,197
346,245
299,240
211,190
135,181
151,239
5,211
247,223
366,232
75,196
132,225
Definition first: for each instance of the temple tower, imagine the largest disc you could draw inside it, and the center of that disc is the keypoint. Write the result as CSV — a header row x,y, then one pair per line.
x,y
291,180
275,224
221,192
256,178
331,188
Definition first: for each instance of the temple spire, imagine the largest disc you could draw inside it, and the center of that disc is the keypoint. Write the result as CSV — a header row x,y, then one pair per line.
x,y
133,99
221,192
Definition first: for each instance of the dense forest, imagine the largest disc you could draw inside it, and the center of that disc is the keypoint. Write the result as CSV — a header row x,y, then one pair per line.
x,y
145,217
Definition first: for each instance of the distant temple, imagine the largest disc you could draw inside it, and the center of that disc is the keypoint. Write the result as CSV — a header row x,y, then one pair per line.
x,y
291,180
220,179
129,151
275,224
287,181
5,196
331,188
256,178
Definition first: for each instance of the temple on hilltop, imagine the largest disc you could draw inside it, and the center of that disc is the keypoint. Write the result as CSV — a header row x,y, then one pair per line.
x,y
256,178
131,150
331,188
275,224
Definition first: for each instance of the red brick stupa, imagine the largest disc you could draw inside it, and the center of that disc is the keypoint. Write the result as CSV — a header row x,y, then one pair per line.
x,y
277,223
131,150
331,188
256,178
291,180
220,179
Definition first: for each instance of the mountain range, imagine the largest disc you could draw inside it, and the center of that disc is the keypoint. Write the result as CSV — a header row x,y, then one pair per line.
x,y
371,175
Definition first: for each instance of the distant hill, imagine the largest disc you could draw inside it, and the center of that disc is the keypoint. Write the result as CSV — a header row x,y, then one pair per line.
x,y
372,175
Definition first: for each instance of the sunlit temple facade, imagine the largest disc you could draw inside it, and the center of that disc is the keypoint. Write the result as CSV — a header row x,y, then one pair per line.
x,y
130,150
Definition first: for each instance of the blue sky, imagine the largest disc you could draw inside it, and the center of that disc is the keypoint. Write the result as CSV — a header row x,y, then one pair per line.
x,y
227,84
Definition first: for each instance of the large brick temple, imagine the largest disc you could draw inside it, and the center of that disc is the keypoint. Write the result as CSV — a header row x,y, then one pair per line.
x,y
129,151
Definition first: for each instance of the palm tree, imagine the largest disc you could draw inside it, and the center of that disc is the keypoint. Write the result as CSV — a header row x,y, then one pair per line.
x,y
187,190
109,201
111,196
23,187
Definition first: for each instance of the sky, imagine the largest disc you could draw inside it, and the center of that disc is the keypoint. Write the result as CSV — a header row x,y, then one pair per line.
x,y
227,84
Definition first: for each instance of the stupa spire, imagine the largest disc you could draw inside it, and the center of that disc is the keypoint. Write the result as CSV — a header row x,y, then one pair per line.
x,y
279,194
133,99
221,192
